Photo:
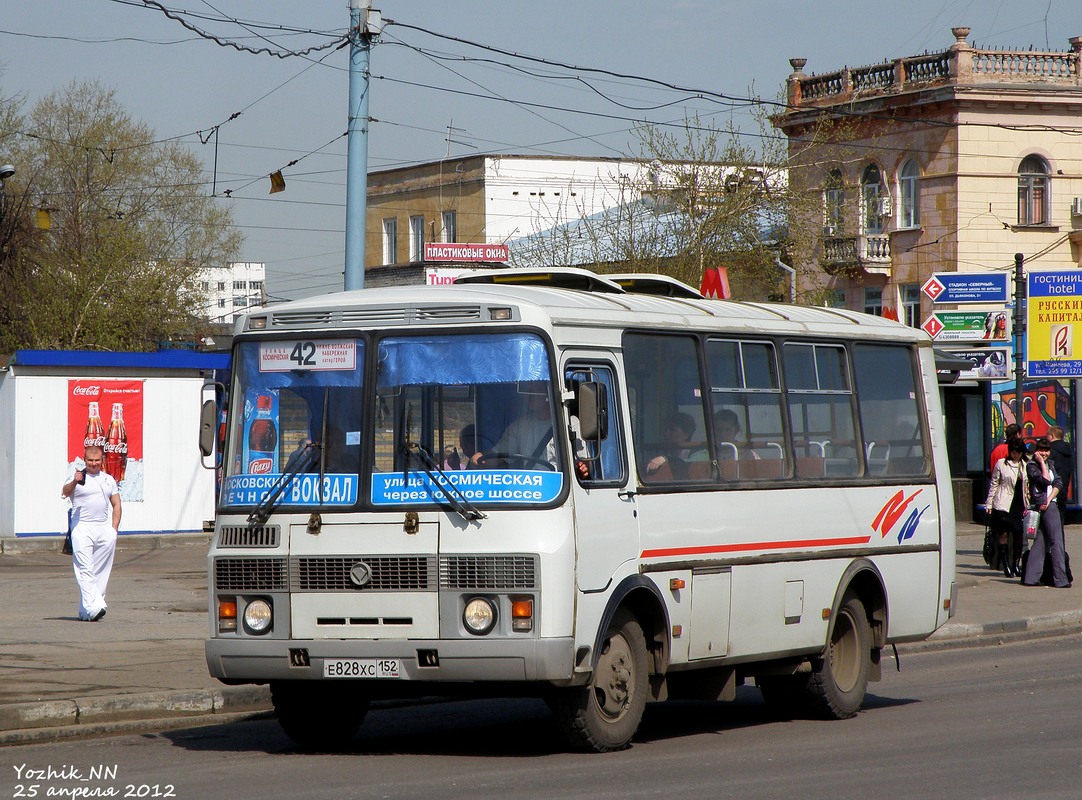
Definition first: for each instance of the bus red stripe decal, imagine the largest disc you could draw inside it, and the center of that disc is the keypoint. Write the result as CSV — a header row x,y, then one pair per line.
x,y
742,547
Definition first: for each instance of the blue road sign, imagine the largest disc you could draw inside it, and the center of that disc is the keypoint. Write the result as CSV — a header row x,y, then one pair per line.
x,y
967,287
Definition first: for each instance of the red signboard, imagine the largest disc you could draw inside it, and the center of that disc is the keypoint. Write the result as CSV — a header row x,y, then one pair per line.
x,y
455,251
109,414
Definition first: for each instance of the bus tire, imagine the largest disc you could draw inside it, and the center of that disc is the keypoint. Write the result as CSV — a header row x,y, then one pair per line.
x,y
839,680
318,715
604,715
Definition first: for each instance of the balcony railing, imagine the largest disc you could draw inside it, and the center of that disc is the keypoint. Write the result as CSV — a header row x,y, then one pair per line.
x,y
961,64
870,251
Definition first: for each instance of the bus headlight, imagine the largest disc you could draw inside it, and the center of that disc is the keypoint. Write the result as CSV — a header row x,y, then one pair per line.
x,y
257,616
479,616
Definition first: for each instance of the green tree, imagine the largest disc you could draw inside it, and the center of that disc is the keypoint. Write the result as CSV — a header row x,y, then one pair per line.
x,y
131,230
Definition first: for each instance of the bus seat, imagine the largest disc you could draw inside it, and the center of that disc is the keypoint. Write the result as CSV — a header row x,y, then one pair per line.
x,y
700,470
810,466
768,468
730,469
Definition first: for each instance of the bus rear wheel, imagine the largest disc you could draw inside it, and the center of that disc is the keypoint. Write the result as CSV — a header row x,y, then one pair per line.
x,y
604,715
319,715
840,679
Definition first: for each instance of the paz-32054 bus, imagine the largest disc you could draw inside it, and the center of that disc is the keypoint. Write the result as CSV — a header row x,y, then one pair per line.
x,y
602,490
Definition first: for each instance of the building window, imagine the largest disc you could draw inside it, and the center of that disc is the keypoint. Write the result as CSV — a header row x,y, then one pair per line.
x,y
910,302
417,238
450,227
204,285
872,200
221,302
833,203
240,302
221,286
241,285
835,299
390,241
256,285
908,197
1033,191
873,301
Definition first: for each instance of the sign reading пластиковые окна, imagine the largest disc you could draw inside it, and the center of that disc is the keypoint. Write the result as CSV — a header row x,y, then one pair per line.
x,y
1054,324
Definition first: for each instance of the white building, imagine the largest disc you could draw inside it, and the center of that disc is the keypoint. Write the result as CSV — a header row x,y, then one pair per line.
x,y
232,289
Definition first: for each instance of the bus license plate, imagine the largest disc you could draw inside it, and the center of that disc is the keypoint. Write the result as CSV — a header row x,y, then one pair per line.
x,y
362,668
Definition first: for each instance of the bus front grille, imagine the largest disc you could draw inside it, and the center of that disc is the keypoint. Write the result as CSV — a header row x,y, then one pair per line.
x,y
384,573
249,536
488,572
250,574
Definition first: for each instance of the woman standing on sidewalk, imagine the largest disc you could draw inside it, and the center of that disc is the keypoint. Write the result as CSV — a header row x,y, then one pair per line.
x,y
1006,504
1045,484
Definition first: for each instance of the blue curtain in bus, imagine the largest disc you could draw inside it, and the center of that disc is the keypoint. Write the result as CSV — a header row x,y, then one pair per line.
x,y
462,360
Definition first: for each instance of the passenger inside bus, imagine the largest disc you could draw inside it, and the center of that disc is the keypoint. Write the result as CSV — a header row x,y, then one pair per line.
x,y
731,444
529,437
678,449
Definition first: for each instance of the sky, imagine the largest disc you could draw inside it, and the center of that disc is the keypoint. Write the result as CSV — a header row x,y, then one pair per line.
x,y
452,79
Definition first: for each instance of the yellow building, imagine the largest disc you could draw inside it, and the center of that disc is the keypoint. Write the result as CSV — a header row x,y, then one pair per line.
x,y
954,160
948,161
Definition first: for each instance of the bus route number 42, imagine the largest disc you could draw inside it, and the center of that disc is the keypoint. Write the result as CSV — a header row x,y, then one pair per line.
x,y
304,354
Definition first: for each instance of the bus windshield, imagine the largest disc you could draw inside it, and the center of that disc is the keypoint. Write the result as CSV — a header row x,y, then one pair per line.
x,y
472,414
296,423
457,420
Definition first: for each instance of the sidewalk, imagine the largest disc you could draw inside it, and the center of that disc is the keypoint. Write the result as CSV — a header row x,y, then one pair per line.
x,y
142,667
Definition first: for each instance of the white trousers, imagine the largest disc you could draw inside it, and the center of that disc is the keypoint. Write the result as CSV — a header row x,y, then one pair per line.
x,y
93,546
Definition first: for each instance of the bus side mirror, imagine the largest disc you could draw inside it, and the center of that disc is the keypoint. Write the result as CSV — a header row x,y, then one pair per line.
x,y
208,419
593,405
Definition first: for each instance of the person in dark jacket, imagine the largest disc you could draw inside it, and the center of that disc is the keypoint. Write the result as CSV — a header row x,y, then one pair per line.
x,y
1063,463
1044,485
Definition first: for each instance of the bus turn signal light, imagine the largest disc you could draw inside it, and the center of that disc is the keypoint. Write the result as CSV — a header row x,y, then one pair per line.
x,y
522,615
227,615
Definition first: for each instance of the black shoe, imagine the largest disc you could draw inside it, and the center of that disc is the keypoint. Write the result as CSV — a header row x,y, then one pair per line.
x,y
97,616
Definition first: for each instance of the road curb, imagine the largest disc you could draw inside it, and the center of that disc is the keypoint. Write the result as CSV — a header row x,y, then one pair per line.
x,y
18,721
126,541
953,635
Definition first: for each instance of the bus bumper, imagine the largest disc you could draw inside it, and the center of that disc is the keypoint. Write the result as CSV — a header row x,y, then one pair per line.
x,y
258,661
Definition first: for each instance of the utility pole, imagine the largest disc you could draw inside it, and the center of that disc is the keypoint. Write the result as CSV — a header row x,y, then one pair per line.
x,y
1019,332
364,24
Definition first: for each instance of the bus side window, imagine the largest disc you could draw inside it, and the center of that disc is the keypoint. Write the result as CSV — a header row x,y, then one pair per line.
x,y
603,451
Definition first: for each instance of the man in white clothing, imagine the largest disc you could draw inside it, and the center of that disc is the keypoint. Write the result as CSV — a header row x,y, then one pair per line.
x,y
530,435
95,500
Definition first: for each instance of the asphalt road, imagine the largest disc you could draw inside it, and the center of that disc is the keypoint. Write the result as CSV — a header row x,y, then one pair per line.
x,y
979,722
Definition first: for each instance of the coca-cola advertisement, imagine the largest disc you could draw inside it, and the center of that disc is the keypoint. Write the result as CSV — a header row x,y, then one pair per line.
x,y
109,413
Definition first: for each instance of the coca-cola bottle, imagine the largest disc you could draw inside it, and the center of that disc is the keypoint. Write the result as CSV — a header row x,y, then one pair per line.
x,y
262,438
95,431
116,445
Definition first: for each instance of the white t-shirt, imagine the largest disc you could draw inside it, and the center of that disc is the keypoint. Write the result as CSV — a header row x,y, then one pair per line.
x,y
91,500
524,436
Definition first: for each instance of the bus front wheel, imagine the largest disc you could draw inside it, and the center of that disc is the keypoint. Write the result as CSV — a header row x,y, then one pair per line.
x,y
604,715
319,715
840,679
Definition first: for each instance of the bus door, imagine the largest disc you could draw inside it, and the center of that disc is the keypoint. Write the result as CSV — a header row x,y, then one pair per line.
x,y
606,527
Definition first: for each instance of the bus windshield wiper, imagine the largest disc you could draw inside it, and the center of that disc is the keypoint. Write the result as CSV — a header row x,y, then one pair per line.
x,y
300,461
463,507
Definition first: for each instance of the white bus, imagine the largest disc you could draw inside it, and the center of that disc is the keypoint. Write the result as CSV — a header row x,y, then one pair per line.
x,y
602,490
